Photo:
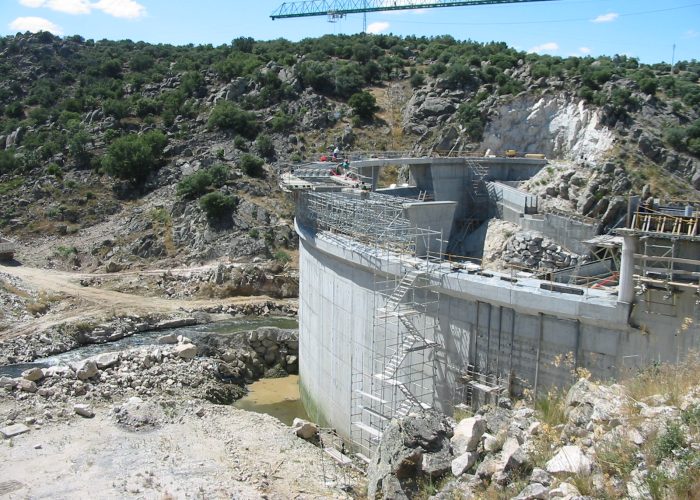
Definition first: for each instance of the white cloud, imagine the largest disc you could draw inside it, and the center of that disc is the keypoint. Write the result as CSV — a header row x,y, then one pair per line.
x,y
35,24
66,6
606,18
545,47
378,27
32,3
70,6
691,34
128,9
584,50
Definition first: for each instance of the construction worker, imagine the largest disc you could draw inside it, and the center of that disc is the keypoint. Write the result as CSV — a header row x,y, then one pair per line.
x,y
336,152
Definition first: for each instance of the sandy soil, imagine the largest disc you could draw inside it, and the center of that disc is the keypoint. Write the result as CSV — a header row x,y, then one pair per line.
x,y
225,453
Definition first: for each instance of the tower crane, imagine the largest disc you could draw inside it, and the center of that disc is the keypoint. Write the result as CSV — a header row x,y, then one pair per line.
x,y
336,9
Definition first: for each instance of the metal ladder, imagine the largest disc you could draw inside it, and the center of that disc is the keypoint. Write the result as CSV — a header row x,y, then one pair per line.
x,y
400,291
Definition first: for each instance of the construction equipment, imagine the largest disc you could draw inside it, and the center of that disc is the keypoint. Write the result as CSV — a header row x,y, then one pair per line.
x,y
511,153
335,9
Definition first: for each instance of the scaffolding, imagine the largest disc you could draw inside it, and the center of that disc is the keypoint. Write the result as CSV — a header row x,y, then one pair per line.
x,y
392,370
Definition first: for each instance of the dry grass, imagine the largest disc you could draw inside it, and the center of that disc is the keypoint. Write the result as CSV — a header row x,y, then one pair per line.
x,y
674,381
42,303
10,288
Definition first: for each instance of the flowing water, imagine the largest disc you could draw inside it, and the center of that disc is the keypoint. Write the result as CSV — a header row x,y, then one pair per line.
x,y
233,325
278,397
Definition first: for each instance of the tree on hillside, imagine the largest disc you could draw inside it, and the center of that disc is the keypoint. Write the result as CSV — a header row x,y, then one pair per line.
x,y
363,105
134,157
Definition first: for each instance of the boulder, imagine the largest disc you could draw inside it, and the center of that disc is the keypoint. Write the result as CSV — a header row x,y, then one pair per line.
x,y
13,430
304,429
570,459
437,464
463,463
106,360
540,476
400,457
534,491
33,374
113,267
185,351
169,338
564,490
85,369
8,383
25,385
83,410
467,434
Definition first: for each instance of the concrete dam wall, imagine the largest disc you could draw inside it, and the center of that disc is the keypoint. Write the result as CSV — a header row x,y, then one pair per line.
x,y
517,333
388,326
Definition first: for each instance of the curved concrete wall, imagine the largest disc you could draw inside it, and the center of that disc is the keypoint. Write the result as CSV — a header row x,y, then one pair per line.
x,y
513,329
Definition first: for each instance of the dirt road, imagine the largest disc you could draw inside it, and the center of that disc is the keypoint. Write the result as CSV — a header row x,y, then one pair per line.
x,y
87,302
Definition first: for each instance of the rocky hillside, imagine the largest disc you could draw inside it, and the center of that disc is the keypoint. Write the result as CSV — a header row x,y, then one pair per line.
x,y
639,439
124,154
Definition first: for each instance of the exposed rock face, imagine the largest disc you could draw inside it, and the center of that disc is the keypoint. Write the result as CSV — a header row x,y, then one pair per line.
x,y
557,126
410,448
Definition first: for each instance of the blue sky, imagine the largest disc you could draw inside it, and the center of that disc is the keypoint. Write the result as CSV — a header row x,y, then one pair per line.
x,y
646,29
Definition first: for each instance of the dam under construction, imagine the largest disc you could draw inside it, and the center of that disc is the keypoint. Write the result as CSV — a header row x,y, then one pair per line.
x,y
397,314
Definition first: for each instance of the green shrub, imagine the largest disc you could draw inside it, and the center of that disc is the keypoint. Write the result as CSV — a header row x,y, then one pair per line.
x,y
239,143
8,162
252,166
217,204
54,169
471,119
195,185
134,157
364,105
282,256
264,146
254,233
219,174
668,442
417,80
281,121
228,116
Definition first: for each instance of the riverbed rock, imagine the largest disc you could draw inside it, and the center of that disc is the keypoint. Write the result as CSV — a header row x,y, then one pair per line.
x,y
8,383
83,410
185,351
106,360
33,374
304,429
85,369
169,338
13,430
25,385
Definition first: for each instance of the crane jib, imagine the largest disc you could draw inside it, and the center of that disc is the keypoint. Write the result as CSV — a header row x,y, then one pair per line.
x,y
342,7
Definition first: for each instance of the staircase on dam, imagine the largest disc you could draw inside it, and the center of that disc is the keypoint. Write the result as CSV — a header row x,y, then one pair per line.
x,y
477,186
396,383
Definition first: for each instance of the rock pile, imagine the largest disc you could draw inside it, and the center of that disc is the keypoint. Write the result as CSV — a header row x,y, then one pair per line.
x,y
533,251
598,446
167,369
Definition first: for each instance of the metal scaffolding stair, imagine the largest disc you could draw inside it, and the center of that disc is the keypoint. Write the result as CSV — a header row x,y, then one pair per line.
x,y
389,393
412,340
406,283
478,185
